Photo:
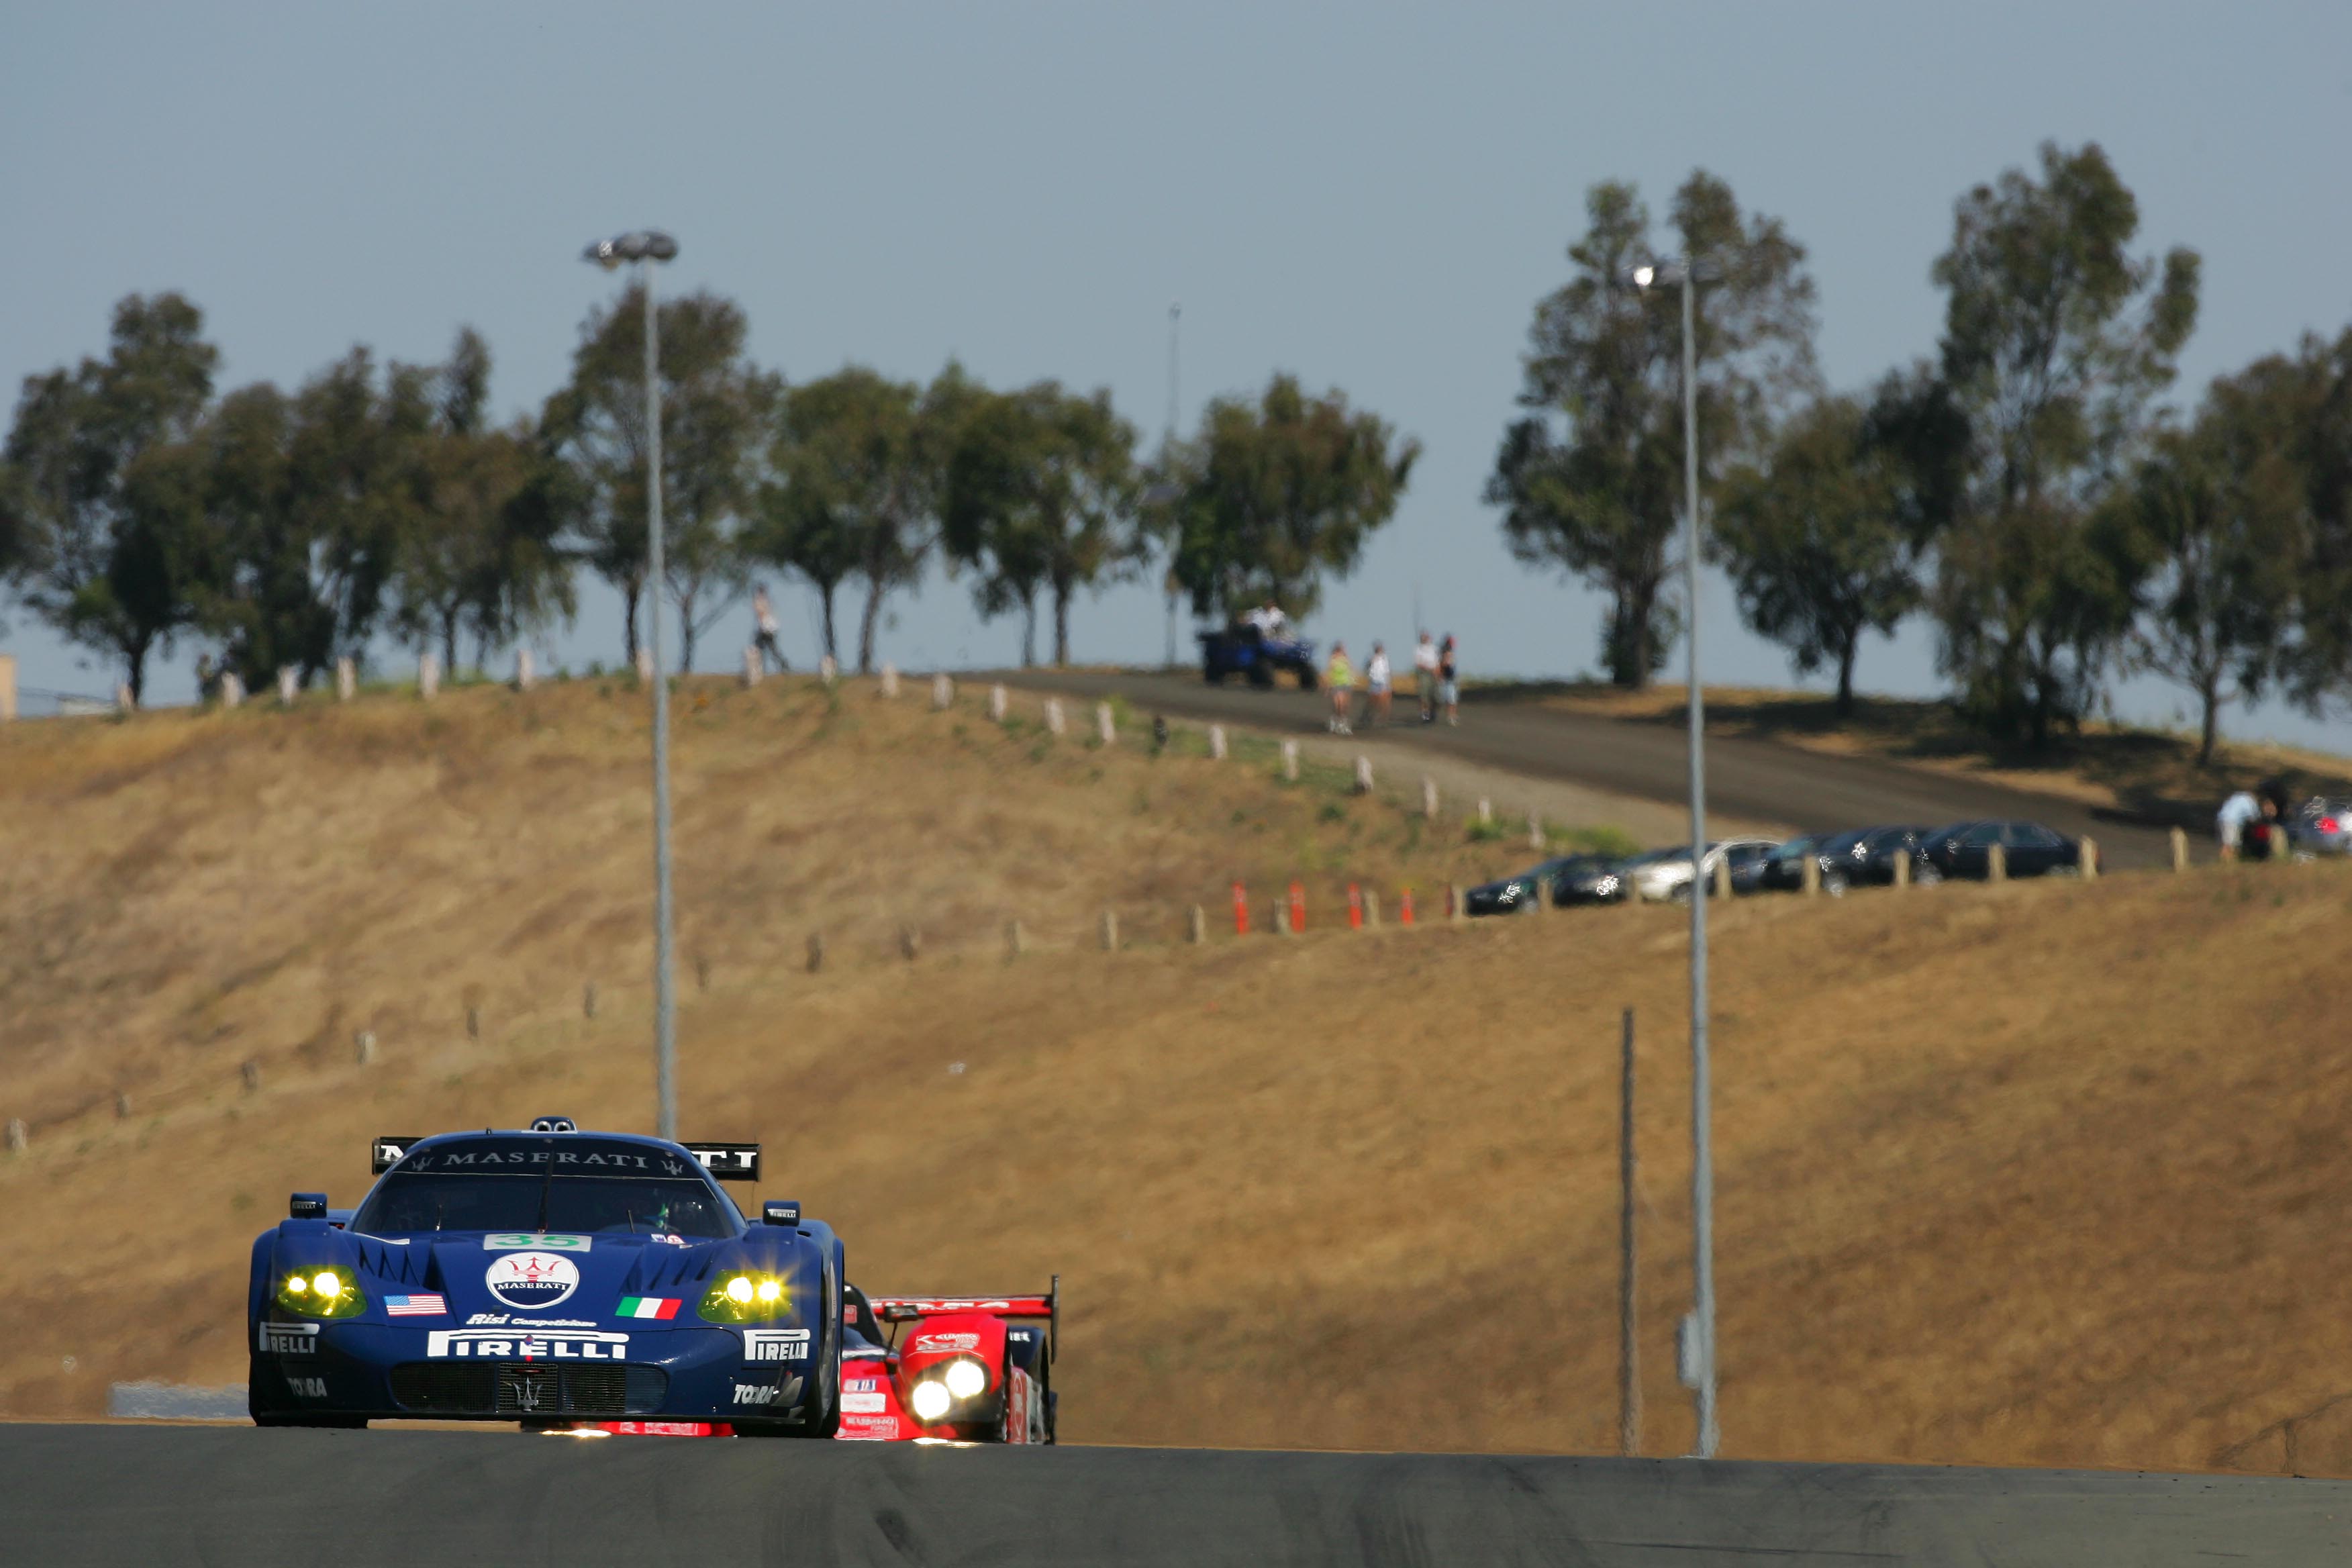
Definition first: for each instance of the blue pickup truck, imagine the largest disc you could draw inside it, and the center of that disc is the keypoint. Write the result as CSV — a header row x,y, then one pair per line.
x,y
1246,650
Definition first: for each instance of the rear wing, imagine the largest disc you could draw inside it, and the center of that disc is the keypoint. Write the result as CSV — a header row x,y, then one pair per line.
x,y
912,1308
726,1161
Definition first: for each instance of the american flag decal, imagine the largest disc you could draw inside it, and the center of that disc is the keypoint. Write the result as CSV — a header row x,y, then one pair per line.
x,y
421,1306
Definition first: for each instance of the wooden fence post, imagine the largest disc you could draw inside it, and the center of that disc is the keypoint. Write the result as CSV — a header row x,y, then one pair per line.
x,y
1809,877
232,690
428,677
1372,908
1996,863
1290,760
1053,715
755,665
2087,859
996,704
17,1136
1723,876
890,679
524,674
828,670
1535,831
1216,742
644,666
1016,941
123,701
347,680
364,1047
1363,775
1106,728
2179,850
286,686
1486,810
1454,910
1902,867
1196,927
1428,798
1110,930
942,692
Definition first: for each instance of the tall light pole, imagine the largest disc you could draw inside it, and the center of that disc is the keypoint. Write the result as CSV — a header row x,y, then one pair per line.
x,y
1167,449
646,246
1699,1348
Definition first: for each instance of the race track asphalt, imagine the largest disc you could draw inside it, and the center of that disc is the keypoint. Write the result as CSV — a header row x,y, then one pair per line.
x,y
232,1497
1760,780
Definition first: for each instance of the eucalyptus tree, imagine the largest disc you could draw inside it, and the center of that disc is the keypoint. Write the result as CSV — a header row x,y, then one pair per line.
x,y
2056,340
1590,478
1041,494
110,563
1277,490
715,409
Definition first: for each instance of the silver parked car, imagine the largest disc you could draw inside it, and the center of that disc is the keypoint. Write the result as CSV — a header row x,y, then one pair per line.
x,y
1666,874
2322,827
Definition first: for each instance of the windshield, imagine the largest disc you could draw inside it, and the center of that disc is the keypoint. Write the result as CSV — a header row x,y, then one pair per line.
x,y
407,1202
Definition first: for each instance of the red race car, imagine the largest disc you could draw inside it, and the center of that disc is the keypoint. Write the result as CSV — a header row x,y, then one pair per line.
x,y
972,1369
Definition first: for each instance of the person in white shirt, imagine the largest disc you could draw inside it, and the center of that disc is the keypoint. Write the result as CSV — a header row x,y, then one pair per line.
x,y
2230,822
1424,678
764,615
1376,685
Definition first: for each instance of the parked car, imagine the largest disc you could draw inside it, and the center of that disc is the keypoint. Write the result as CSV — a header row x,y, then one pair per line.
x,y
2029,849
1666,874
1871,861
1515,895
1598,882
2320,827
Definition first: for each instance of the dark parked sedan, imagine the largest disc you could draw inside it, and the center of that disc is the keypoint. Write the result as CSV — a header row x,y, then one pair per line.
x,y
1866,858
1515,895
1783,871
2030,849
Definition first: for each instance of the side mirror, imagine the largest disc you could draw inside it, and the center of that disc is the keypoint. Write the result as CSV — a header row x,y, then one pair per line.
x,y
901,1312
306,1206
781,1211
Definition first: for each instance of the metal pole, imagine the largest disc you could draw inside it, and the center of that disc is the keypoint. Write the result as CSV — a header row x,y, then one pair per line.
x,y
1167,449
1629,1344
1702,1131
665,996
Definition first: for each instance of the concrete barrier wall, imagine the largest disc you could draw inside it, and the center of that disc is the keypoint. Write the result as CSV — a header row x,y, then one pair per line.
x,y
358,1500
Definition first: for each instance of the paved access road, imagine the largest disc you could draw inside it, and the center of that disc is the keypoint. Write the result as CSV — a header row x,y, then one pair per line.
x,y
1761,780
162,1497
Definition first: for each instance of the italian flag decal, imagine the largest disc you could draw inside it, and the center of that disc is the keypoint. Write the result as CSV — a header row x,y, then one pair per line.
x,y
647,1307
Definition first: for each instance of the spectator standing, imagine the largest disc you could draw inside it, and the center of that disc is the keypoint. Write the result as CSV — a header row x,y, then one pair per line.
x,y
1424,678
1449,689
1376,686
764,615
2230,822
1340,676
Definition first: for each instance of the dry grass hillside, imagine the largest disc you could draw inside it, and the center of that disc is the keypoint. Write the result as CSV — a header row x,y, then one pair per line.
x,y
2042,1173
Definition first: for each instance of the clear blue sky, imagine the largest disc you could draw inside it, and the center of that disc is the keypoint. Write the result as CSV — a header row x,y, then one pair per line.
x,y
1372,197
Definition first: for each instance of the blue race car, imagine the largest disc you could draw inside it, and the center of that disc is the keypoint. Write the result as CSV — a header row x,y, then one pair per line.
x,y
551,1276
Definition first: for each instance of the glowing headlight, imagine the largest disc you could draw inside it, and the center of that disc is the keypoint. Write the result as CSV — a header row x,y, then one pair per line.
x,y
746,1299
931,1400
966,1378
330,1292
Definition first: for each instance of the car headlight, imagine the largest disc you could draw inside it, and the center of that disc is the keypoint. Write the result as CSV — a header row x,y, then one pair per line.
x,y
321,1290
929,1400
742,1298
966,1378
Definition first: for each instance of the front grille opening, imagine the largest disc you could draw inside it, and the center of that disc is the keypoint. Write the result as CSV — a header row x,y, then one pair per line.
x,y
520,1388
